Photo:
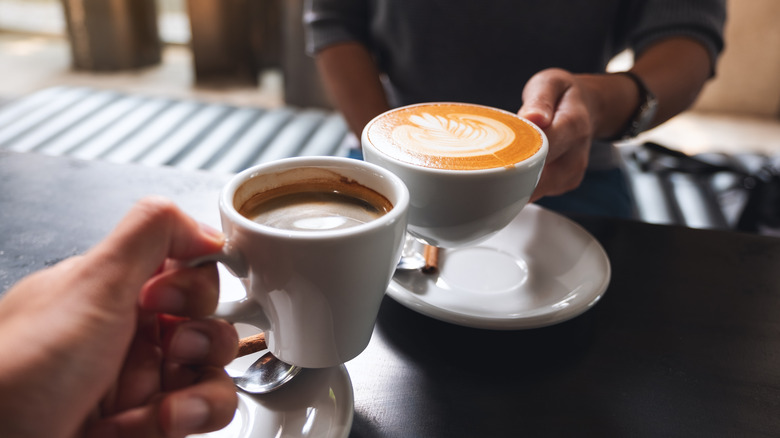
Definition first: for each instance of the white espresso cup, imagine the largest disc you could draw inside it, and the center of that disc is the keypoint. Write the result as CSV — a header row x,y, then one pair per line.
x,y
313,283
470,169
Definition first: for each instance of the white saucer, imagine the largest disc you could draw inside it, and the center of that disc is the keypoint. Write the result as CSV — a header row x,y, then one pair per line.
x,y
316,403
540,270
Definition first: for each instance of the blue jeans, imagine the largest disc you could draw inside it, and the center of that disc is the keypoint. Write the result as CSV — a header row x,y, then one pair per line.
x,y
602,193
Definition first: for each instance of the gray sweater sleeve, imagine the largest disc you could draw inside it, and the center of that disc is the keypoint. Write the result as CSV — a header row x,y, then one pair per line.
x,y
328,22
701,20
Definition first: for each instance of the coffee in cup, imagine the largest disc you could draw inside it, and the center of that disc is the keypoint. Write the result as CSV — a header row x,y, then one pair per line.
x,y
316,205
315,242
470,169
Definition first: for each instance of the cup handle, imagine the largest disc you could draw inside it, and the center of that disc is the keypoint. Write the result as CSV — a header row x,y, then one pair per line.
x,y
245,310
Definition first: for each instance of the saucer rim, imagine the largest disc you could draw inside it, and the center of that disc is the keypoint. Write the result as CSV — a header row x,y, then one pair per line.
x,y
343,379
546,318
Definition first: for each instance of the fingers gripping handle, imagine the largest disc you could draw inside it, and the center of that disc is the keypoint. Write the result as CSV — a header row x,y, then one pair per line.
x,y
244,310
229,256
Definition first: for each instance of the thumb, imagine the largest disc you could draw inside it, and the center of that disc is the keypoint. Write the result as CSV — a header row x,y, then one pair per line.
x,y
536,113
541,96
151,232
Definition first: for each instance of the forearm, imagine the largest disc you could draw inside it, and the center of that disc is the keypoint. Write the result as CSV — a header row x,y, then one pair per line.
x,y
675,70
351,78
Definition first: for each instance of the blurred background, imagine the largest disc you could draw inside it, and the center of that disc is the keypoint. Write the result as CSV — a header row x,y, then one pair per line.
x,y
250,52
228,51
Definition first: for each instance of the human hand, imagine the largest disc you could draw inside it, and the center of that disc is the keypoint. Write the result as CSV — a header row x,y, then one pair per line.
x,y
573,109
115,342
556,101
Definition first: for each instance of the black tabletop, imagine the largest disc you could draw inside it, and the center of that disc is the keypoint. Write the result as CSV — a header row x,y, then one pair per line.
x,y
685,342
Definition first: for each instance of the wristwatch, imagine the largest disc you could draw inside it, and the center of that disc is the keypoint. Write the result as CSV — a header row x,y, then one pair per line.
x,y
645,112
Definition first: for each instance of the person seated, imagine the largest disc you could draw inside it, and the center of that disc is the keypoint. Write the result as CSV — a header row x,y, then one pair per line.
x,y
547,61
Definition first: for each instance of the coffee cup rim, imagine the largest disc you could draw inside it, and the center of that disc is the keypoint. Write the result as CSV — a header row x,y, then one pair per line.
x,y
400,204
540,154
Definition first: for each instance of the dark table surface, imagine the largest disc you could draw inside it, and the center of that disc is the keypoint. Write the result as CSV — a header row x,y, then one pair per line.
x,y
685,342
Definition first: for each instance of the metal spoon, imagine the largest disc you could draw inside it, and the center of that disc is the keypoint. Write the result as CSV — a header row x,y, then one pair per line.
x,y
266,374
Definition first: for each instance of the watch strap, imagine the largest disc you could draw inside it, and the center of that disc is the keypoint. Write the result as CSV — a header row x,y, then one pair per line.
x,y
645,112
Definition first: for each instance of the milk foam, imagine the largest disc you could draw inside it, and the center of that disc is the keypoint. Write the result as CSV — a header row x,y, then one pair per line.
x,y
456,135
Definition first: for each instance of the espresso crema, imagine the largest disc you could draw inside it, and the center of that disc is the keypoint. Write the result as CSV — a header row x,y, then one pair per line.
x,y
316,205
454,136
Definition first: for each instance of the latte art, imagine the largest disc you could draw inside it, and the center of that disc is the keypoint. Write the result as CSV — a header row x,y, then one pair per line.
x,y
454,136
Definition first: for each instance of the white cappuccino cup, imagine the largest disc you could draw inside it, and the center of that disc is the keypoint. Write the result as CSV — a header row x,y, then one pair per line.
x,y
470,169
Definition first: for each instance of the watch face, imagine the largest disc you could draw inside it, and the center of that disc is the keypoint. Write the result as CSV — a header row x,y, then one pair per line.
x,y
646,113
